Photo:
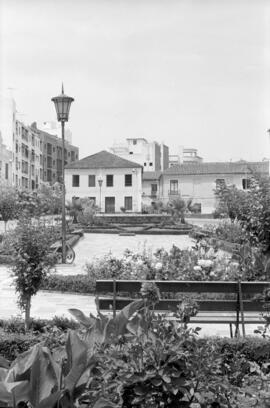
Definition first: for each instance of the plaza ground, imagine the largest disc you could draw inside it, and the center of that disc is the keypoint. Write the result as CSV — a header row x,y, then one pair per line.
x,y
48,304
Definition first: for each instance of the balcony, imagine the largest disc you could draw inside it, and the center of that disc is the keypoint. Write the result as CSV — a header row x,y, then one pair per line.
x,y
174,193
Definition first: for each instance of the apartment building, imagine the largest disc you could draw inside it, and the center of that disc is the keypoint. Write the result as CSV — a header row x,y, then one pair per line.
x,y
152,156
52,155
184,155
5,164
26,158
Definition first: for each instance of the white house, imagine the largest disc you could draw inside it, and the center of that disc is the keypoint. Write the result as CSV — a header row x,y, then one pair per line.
x,y
109,180
198,181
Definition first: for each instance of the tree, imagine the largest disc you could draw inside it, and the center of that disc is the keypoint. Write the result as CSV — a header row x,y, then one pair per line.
x,y
251,208
177,209
31,260
8,204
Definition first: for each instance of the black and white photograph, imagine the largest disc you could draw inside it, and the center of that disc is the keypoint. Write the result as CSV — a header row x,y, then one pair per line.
x,y
134,203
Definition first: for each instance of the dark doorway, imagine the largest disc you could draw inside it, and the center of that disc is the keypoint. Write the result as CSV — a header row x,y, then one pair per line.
x,y
109,204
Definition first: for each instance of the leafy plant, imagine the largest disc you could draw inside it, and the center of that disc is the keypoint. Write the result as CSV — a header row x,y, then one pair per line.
x,y
8,204
31,260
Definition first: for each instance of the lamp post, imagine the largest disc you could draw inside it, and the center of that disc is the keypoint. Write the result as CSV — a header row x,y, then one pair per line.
x,y
62,106
100,181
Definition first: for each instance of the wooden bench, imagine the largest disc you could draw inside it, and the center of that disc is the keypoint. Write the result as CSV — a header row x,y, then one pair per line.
x,y
237,311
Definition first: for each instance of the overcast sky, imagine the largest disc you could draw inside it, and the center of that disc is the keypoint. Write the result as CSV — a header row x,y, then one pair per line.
x,y
185,72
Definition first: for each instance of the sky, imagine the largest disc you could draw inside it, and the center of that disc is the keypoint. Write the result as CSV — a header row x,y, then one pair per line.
x,y
194,73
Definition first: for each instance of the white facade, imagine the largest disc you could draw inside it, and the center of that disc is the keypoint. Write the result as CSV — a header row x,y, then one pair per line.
x,y
7,119
185,155
104,196
150,155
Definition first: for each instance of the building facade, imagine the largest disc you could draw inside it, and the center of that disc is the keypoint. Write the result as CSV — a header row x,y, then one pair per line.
x,y
27,158
198,181
52,155
113,183
5,164
185,155
152,156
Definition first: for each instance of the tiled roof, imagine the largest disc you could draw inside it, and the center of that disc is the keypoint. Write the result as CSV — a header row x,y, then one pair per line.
x,y
103,160
218,168
151,175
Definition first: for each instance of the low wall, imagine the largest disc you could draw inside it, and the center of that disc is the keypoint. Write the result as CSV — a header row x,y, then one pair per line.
x,y
133,219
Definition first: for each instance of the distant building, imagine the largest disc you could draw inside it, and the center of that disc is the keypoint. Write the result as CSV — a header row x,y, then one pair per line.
x,y
54,128
27,158
109,180
152,156
185,155
52,155
7,119
5,164
197,181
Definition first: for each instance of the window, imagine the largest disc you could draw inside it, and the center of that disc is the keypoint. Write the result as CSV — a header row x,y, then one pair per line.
x,y
128,180
128,203
91,180
134,142
109,180
173,186
6,171
150,164
153,189
130,152
75,180
144,164
246,184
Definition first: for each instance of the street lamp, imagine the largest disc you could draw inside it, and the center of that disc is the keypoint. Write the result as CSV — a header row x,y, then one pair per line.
x,y
62,106
100,181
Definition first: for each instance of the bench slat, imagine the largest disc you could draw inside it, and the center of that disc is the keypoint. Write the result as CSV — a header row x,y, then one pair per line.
x,y
106,303
133,286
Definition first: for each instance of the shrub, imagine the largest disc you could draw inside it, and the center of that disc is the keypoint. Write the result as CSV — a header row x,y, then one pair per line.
x,y
71,283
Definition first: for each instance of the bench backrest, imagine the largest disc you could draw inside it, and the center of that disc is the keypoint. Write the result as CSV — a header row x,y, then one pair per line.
x,y
240,289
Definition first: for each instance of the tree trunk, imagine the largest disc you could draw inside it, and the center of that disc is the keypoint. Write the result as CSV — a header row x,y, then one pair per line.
x,y
5,223
27,314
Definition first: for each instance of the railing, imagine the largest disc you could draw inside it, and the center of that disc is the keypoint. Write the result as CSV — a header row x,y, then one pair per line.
x,y
172,192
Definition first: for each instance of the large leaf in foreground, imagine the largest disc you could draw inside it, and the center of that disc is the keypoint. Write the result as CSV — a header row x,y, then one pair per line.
x,y
118,326
44,379
76,360
81,318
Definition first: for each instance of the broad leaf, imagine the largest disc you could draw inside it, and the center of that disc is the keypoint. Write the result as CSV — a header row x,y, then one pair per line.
x,y
43,379
4,363
81,318
104,403
77,360
118,325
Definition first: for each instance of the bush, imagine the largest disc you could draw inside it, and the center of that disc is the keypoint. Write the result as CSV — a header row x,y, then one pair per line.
x,y
71,283
16,324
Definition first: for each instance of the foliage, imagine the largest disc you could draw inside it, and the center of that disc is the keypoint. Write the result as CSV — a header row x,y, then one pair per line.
x,y
137,359
251,208
49,381
31,260
16,324
177,208
87,215
70,283
8,204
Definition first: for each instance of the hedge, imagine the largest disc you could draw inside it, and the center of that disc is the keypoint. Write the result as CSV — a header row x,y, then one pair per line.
x,y
71,283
